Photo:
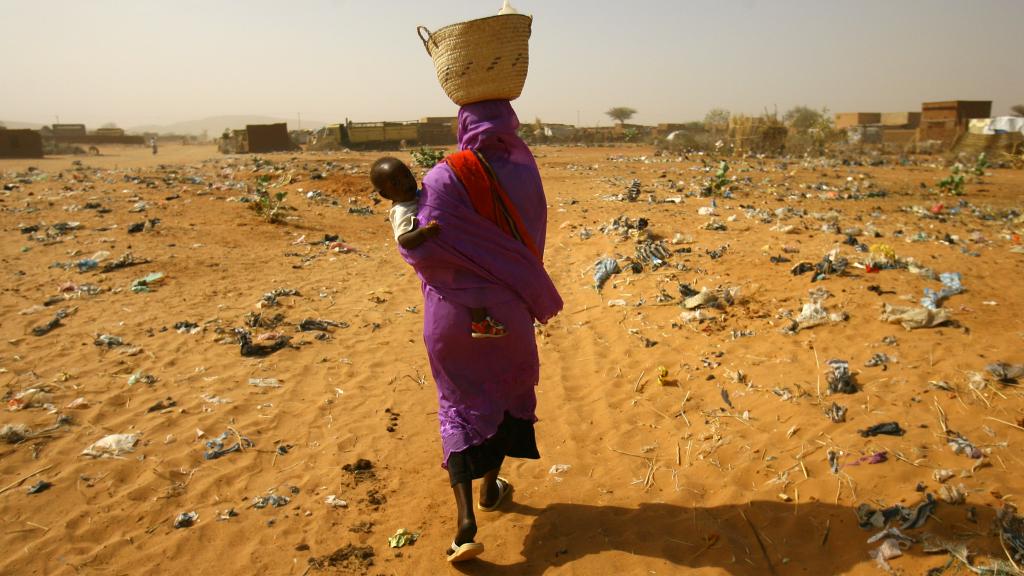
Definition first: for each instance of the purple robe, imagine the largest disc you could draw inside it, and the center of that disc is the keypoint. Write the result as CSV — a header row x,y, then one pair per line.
x,y
473,264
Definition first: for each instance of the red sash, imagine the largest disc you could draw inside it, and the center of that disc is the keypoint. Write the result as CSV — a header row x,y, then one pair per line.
x,y
488,197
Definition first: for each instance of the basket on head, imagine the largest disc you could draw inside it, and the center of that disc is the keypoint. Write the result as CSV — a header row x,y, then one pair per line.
x,y
485,59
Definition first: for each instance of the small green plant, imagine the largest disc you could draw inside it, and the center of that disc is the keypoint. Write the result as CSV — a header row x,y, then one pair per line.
x,y
427,158
980,165
269,207
721,179
954,183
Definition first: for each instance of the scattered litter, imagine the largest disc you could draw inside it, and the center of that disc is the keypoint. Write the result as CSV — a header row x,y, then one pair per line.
x,y
840,381
961,445
559,468
146,282
913,318
951,286
603,270
141,378
265,382
108,341
51,325
953,494
334,501
251,350
403,537
274,500
1006,373
836,413
218,449
14,433
186,519
38,487
886,428
112,446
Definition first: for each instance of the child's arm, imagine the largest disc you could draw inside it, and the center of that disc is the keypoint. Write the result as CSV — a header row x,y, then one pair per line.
x,y
416,237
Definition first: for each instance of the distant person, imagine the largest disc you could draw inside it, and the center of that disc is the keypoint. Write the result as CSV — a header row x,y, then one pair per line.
x,y
487,204
393,180
152,143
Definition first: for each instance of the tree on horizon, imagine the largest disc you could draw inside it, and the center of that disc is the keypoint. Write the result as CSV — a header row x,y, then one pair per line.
x,y
621,113
716,119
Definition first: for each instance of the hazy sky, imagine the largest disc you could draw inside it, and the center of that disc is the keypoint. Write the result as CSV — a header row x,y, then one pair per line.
x,y
145,61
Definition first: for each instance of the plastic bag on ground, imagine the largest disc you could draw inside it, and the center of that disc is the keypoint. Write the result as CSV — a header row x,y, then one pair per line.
x,y
112,446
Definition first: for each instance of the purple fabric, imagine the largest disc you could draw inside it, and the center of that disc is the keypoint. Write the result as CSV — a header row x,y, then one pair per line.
x,y
472,263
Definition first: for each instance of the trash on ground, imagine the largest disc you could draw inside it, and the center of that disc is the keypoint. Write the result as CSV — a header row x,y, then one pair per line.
x,y
112,446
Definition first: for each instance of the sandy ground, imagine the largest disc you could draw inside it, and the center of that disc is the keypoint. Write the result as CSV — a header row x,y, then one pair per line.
x,y
658,477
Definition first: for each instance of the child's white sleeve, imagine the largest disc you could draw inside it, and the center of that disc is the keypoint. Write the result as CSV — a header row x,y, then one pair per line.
x,y
403,217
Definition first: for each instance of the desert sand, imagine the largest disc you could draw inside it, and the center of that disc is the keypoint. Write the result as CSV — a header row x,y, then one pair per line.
x,y
639,475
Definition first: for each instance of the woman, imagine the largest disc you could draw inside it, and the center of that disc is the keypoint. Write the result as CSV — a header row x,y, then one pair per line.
x,y
485,387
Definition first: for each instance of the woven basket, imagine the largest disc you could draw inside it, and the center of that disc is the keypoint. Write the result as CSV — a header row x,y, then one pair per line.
x,y
485,59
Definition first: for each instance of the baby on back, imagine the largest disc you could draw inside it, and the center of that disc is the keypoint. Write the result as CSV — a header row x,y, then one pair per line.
x,y
394,181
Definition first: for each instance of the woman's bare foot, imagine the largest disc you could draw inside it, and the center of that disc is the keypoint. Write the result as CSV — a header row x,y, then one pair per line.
x,y
466,534
489,491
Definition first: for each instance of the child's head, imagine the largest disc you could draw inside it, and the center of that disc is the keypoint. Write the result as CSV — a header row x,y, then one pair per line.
x,y
393,180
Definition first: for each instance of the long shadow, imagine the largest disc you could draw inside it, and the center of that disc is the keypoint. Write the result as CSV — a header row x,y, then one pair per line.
x,y
794,539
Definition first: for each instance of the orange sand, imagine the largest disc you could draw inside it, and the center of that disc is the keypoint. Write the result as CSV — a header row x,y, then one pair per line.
x,y
648,492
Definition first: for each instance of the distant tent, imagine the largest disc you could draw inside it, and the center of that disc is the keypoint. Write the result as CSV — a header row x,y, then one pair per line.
x,y
20,144
269,138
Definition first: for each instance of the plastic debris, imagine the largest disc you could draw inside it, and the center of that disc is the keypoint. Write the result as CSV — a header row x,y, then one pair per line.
x,y
403,537
51,325
38,487
603,270
251,350
914,318
30,398
265,382
334,501
836,413
112,446
14,433
186,519
886,428
1006,373
840,381
143,284
274,500
108,341
217,448
559,468
942,474
953,494
141,378
889,549
951,286
961,445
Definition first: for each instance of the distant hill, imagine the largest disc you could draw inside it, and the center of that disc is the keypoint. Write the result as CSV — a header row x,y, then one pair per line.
x,y
216,125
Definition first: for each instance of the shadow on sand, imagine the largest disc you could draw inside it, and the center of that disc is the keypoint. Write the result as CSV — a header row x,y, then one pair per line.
x,y
793,537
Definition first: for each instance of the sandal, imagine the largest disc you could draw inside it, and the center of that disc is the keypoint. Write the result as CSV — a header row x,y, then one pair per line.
x,y
467,551
504,489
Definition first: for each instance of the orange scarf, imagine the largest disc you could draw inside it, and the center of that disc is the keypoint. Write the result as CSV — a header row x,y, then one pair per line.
x,y
488,197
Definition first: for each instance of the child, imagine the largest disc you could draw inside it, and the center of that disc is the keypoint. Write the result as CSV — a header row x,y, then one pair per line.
x,y
393,180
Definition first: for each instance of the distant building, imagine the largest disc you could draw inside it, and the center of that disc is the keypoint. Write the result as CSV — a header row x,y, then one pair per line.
x,y
268,138
68,132
945,121
901,119
108,132
438,131
20,144
850,119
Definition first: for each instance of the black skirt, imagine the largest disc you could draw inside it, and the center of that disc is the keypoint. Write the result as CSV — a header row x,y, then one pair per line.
x,y
515,438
